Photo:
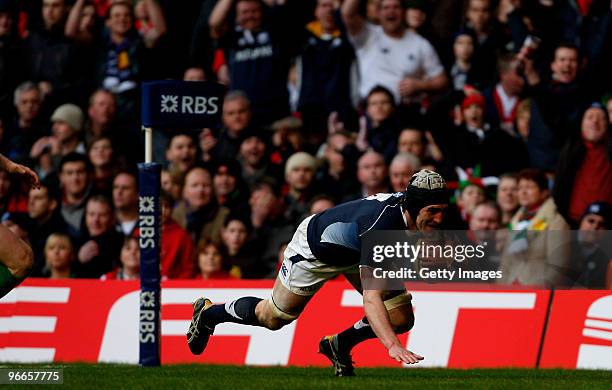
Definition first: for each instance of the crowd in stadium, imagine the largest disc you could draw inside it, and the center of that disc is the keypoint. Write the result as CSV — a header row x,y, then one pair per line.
x,y
328,101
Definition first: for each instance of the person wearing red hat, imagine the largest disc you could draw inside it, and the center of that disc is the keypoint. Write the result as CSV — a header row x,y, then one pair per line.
x,y
475,143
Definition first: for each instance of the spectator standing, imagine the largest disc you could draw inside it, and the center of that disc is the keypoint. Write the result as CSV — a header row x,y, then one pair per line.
x,y
325,69
257,52
391,56
584,173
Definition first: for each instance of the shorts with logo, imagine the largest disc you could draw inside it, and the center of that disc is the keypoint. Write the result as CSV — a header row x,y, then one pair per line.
x,y
301,273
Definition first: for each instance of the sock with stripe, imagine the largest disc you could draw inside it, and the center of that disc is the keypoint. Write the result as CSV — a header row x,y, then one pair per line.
x,y
240,311
347,339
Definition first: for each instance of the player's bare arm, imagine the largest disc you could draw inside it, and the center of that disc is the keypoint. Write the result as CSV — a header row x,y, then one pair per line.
x,y
12,167
379,320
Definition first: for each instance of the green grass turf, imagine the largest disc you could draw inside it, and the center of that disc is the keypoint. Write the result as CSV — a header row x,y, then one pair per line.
x,y
229,377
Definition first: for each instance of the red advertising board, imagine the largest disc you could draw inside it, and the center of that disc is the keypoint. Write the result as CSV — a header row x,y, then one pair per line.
x,y
97,321
579,331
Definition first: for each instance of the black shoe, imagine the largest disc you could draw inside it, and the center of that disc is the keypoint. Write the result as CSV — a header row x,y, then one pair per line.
x,y
343,364
198,334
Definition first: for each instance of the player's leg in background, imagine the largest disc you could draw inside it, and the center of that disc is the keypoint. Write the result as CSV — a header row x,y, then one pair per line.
x,y
16,260
399,307
273,313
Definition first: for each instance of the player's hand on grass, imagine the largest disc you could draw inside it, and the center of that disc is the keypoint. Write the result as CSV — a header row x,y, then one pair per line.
x,y
401,354
29,175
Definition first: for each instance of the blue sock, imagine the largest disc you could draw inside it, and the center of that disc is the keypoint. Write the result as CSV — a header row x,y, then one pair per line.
x,y
347,339
240,311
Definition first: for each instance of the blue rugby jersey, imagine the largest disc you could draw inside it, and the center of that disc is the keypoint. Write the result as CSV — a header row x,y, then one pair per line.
x,y
334,236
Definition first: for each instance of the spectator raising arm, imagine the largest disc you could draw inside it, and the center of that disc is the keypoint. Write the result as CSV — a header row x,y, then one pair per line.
x,y
218,18
351,18
154,15
410,85
73,23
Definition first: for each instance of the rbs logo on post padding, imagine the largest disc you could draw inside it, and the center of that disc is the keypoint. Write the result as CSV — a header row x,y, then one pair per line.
x,y
174,104
146,210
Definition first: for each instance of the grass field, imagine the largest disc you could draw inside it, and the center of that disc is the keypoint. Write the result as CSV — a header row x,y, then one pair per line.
x,y
227,377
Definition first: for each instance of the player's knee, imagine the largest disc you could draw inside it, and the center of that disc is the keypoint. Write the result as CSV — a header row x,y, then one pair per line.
x,y
25,262
406,322
276,323
400,312
272,317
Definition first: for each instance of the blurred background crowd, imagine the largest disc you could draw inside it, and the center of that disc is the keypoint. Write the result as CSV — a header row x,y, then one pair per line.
x,y
328,101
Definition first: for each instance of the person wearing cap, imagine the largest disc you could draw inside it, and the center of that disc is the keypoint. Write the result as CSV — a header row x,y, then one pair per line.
x,y
299,175
475,142
584,171
592,254
67,125
326,245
